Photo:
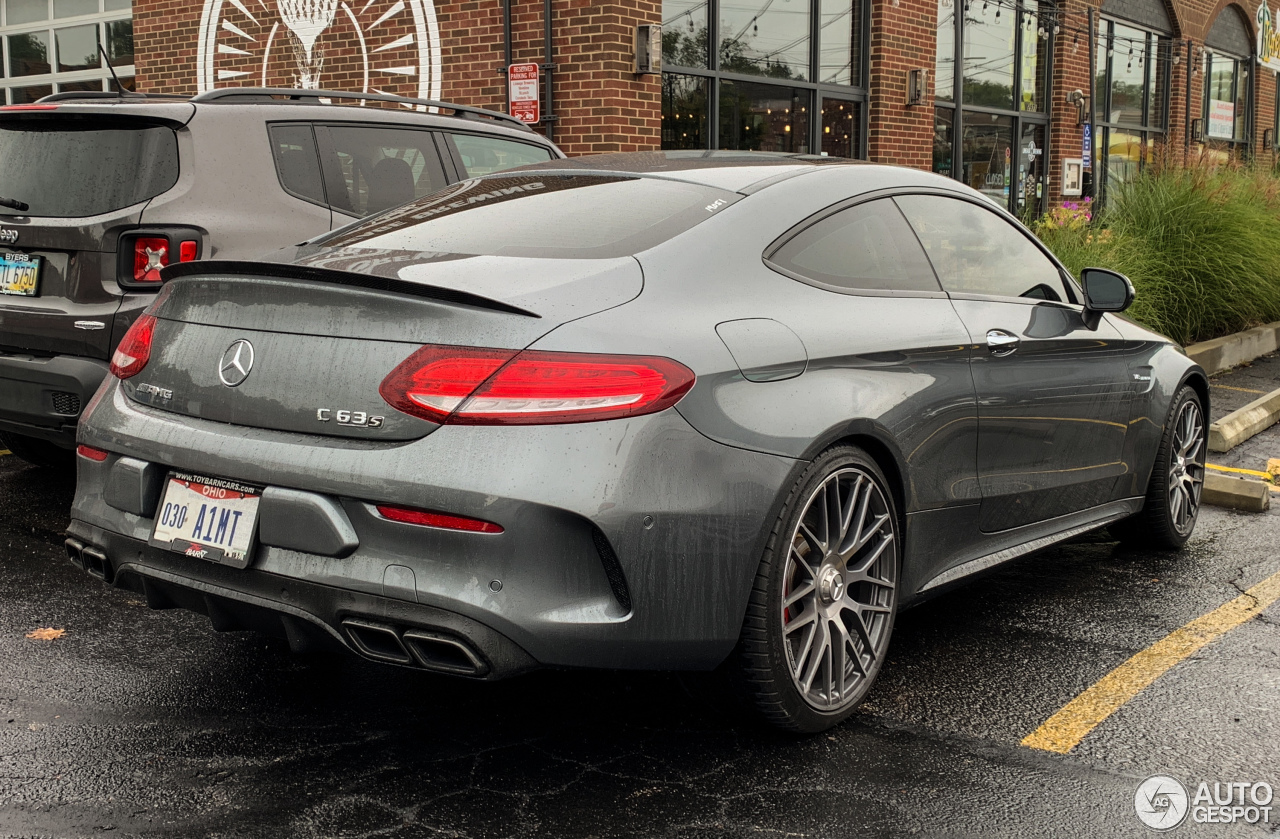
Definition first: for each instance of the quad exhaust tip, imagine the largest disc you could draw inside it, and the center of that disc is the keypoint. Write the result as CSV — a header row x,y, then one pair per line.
x,y
89,559
419,648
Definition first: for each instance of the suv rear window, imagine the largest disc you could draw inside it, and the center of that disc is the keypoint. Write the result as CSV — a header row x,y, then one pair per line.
x,y
73,168
541,215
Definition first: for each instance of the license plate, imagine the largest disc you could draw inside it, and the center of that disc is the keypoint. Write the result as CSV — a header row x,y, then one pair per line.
x,y
207,518
19,274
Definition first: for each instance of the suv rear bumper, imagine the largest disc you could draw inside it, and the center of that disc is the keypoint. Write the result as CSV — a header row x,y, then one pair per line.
x,y
44,397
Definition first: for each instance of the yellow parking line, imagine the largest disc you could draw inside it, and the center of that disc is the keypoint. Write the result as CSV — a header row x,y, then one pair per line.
x,y
4,452
1064,730
1241,389
1254,472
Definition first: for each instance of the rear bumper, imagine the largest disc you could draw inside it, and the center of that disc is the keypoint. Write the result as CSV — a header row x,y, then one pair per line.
x,y
309,616
44,397
626,544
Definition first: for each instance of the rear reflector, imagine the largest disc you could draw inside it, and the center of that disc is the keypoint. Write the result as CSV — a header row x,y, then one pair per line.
x,y
135,349
427,518
475,386
150,254
187,251
90,453
29,108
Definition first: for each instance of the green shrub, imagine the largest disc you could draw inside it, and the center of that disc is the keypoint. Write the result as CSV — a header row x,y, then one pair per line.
x,y
1201,246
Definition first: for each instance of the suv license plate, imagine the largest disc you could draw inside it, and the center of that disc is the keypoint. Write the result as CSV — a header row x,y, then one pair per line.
x,y
19,274
208,518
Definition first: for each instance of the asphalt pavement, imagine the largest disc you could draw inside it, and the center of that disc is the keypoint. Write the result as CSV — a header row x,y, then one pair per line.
x,y
142,723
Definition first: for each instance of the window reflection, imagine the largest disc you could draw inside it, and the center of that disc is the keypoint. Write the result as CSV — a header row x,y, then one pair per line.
x,y
943,140
765,40
944,72
840,56
684,33
840,129
1128,75
989,33
988,154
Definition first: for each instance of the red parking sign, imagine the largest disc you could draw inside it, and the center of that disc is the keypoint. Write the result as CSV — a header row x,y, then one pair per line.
x,y
522,93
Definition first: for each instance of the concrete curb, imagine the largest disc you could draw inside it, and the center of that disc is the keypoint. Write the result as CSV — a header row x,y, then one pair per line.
x,y
1243,423
1233,350
1236,493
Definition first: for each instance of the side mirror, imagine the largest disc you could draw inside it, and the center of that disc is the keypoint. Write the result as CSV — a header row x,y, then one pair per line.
x,y
1104,291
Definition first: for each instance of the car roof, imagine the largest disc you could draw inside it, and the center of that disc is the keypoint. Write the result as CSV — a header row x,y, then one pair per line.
x,y
736,171
179,110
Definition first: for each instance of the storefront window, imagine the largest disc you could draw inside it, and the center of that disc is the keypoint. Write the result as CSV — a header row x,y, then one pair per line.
x,y
944,139
998,139
764,117
1132,105
840,57
37,59
989,35
767,40
1226,97
840,127
684,111
684,33
773,67
988,154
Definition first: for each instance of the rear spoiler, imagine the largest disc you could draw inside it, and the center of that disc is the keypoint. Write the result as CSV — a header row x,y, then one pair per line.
x,y
306,273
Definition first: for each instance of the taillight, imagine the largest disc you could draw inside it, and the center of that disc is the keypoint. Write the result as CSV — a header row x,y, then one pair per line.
x,y
429,518
471,386
135,348
90,453
187,251
150,254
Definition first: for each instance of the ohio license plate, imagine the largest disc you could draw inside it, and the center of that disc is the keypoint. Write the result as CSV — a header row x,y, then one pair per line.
x,y
19,274
207,518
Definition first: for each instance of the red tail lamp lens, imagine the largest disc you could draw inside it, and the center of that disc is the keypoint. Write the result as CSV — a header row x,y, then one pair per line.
x,y
135,349
90,453
470,386
187,251
150,254
427,518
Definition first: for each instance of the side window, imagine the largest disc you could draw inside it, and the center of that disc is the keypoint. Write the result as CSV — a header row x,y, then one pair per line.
x,y
486,155
373,169
975,251
868,246
297,163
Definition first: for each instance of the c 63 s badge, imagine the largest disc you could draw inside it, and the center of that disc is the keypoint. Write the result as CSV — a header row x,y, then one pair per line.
x,y
356,418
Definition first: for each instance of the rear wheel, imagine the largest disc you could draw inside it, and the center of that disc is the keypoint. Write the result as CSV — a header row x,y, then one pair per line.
x,y
825,595
1173,493
38,452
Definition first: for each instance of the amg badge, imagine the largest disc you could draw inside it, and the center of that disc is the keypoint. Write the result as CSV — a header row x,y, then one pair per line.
x,y
356,418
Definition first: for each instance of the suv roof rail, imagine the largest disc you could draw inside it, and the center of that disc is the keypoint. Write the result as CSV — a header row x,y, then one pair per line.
x,y
268,94
72,95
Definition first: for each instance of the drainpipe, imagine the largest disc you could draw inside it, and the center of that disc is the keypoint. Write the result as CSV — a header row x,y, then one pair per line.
x,y
548,69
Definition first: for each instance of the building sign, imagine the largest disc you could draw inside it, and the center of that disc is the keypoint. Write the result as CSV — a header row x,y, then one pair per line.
x,y
1222,119
374,46
1086,147
1268,38
522,93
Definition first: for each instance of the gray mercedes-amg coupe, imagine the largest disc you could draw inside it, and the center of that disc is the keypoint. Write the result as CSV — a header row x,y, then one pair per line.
x,y
660,410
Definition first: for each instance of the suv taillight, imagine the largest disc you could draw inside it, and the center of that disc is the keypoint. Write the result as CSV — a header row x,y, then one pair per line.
x,y
144,252
135,348
479,386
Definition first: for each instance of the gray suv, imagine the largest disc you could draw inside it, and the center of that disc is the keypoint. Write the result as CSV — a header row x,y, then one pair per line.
x,y
98,192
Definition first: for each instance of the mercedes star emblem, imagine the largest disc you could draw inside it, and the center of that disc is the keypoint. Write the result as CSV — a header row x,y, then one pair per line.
x,y
236,363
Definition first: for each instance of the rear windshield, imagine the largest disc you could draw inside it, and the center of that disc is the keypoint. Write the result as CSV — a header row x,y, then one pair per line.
x,y
540,215
72,168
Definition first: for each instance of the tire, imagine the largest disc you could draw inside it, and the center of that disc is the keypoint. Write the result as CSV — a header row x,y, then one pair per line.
x,y
1173,493
802,617
38,452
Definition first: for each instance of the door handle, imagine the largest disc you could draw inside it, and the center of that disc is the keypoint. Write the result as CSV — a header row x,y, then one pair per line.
x,y
1000,342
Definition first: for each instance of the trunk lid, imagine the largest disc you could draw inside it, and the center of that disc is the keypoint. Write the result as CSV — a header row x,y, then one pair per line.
x,y
321,340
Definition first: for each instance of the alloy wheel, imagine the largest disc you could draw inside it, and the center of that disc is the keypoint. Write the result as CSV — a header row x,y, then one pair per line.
x,y
839,590
1186,466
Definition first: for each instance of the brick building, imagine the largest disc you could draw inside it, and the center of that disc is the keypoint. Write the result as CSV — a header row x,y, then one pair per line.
x,y
994,92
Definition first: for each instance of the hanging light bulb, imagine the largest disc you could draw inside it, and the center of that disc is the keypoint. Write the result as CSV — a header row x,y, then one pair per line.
x,y
1043,34
997,12
1075,44
984,7
1056,29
